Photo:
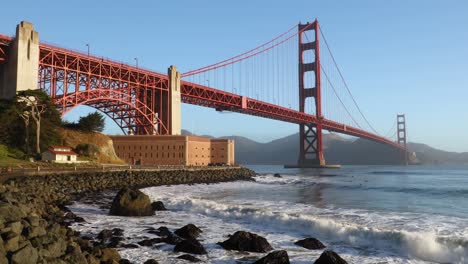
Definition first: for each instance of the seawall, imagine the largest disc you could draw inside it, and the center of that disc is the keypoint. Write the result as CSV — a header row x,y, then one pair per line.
x,y
34,219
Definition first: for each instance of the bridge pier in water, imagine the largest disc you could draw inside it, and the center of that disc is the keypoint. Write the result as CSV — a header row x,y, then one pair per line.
x,y
401,135
310,135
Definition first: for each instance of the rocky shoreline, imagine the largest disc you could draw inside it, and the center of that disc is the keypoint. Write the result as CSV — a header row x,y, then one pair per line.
x,y
34,218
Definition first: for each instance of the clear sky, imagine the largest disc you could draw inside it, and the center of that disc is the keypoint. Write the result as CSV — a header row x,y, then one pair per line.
x,y
398,56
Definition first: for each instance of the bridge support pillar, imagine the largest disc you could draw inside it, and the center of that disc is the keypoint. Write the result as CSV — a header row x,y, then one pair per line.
x,y
310,135
175,123
401,134
20,72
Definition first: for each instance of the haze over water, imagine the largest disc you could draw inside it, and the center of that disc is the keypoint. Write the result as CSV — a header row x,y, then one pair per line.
x,y
368,214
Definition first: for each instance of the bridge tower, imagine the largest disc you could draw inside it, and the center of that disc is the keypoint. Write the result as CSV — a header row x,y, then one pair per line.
x,y
401,134
310,135
20,72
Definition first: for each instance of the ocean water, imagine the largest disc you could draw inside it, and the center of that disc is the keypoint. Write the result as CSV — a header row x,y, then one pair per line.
x,y
367,214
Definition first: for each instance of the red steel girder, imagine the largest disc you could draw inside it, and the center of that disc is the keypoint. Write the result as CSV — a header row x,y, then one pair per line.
x,y
73,78
204,96
123,92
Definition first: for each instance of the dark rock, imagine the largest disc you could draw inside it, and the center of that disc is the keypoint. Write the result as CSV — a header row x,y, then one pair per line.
x,y
246,241
189,258
172,239
189,231
70,216
105,234
158,206
115,244
124,261
277,175
275,257
161,231
151,261
310,243
150,242
130,246
130,202
330,257
116,239
117,232
79,219
164,231
190,246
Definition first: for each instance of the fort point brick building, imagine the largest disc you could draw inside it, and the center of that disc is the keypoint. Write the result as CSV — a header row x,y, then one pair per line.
x,y
173,150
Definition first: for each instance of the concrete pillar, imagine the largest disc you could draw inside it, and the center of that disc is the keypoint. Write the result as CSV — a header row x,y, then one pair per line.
x,y
175,121
20,73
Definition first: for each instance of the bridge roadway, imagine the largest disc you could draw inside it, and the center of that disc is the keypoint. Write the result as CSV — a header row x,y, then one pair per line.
x,y
54,57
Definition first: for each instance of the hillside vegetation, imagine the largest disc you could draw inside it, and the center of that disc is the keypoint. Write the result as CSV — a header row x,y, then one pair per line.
x,y
105,149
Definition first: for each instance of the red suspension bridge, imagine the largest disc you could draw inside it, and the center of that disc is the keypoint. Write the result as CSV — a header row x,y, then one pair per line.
x,y
290,78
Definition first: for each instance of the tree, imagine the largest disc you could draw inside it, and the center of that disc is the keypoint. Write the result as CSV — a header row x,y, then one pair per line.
x,y
32,107
93,122
38,106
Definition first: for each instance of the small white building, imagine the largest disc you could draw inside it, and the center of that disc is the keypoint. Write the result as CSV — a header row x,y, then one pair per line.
x,y
59,154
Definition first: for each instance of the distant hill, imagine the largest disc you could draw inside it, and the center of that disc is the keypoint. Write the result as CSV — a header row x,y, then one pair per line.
x,y
338,150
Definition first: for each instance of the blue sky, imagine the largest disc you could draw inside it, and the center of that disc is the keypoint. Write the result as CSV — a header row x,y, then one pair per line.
x,y
397,56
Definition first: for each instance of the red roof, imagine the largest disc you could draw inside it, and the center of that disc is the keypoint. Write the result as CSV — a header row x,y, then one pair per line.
x,y
52,149
55,147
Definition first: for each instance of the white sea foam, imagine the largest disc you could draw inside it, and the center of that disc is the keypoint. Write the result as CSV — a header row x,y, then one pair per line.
x,y
360,236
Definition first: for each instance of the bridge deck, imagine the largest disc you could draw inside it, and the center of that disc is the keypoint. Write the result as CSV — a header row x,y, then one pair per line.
x,y
197,94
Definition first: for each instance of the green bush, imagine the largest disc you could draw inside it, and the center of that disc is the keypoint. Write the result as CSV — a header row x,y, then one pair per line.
x,y
3,151
17,154
7,152
88,150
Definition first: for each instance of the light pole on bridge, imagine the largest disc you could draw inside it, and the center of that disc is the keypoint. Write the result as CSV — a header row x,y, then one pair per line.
x,y
136,61
87,45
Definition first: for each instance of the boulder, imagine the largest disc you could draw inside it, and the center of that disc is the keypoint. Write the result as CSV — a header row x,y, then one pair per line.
x,y
277,175
172,239
163,231
275,257
56,248
3,259
9,212
124,261
105,234
25,255
310,243
190,246
11,241
151,261
150,242
189,258
158,206
189,231
75,257
130,246
246,241
110,254
117,232
130,202
330,257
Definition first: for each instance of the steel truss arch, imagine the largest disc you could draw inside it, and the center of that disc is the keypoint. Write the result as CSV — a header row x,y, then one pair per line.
x,y
123,108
